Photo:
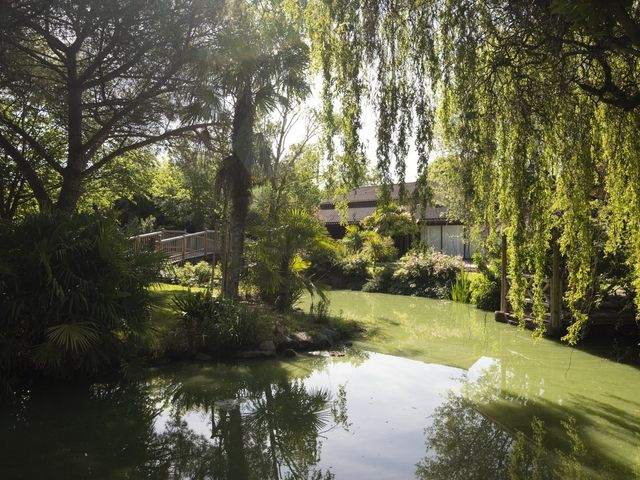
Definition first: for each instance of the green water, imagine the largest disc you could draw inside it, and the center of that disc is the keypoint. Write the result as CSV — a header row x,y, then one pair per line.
x,y
438,390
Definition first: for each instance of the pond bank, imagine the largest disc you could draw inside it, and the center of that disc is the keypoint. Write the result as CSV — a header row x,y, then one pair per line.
x,y
181,313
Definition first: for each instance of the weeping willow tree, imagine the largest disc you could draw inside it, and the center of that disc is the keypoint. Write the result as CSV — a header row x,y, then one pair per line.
x,y
538,100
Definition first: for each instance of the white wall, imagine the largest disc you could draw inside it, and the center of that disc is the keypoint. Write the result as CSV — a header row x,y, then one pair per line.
x,y
453,240
448,239
431,236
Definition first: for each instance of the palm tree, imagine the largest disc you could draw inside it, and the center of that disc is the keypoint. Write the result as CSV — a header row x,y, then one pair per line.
x,y
265,64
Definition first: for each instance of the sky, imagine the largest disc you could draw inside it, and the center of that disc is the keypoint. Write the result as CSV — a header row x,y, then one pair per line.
x,y
367,132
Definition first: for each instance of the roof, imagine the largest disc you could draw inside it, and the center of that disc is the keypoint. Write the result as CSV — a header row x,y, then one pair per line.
x,y
356,214
369,193
363,202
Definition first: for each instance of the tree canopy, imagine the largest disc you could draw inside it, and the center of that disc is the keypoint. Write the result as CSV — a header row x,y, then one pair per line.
x,y
84,83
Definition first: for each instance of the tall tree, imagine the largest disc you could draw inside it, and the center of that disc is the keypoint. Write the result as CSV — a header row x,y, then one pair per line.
x,y
109,77
265,63
288,160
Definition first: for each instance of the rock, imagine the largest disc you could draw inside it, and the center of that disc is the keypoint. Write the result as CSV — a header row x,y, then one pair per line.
x,y
320,340
267,346
332,334
203,357
290,353
320,353
327,353
256,354
284,340
302,337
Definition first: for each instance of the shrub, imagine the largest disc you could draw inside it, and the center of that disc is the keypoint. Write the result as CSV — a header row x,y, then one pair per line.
x,y
368,243
215,326
352,271
380,281
485,286
485,292
188,275
73,295
425,273
279,258
378,248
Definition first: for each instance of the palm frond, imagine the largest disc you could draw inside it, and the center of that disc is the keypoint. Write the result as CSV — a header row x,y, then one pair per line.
x,y
73,337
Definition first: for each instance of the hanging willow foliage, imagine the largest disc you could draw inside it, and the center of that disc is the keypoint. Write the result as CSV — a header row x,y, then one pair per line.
x,y
538,100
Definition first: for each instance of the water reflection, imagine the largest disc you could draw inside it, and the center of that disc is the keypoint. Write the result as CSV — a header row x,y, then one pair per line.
x,y
361,416
464,444
258,430
220,422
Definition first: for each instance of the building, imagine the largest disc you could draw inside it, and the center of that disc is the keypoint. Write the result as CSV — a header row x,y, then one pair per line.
x,y
436,229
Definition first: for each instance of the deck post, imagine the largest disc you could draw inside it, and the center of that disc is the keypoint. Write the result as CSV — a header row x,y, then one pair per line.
x,y
555,297
213,260
501,316
205,243
184,247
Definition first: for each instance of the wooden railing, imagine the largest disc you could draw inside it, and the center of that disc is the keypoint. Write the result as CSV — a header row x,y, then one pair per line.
x,y
178,245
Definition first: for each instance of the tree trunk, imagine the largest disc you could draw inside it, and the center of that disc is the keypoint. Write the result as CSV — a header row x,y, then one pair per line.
x,y
236,455
70,190
238,170
76,159
283,301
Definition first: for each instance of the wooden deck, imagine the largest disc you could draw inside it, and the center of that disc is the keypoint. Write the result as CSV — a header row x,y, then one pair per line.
x,y
179,246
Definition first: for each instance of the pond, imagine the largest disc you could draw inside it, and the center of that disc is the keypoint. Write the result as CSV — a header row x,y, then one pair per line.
x,y
438,390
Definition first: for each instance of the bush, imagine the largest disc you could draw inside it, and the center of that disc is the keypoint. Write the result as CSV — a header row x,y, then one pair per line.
x,y
279,258
215,326
352,271
485,292
73,295
380,281
368,243
485,285
425,273
188,275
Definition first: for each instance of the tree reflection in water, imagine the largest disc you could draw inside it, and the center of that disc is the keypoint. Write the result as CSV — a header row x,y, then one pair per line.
x,y
258,430
464,444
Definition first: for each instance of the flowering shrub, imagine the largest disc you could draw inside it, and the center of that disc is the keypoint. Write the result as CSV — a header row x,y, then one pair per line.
x,y
425,273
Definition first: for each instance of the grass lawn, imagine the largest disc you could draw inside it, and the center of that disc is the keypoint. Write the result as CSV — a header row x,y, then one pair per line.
x,y
163,312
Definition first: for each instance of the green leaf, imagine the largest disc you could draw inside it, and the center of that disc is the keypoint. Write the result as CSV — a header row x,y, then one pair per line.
x,y
73,337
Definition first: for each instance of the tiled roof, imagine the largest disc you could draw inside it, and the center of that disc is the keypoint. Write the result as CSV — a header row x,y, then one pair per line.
x,y
370,194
